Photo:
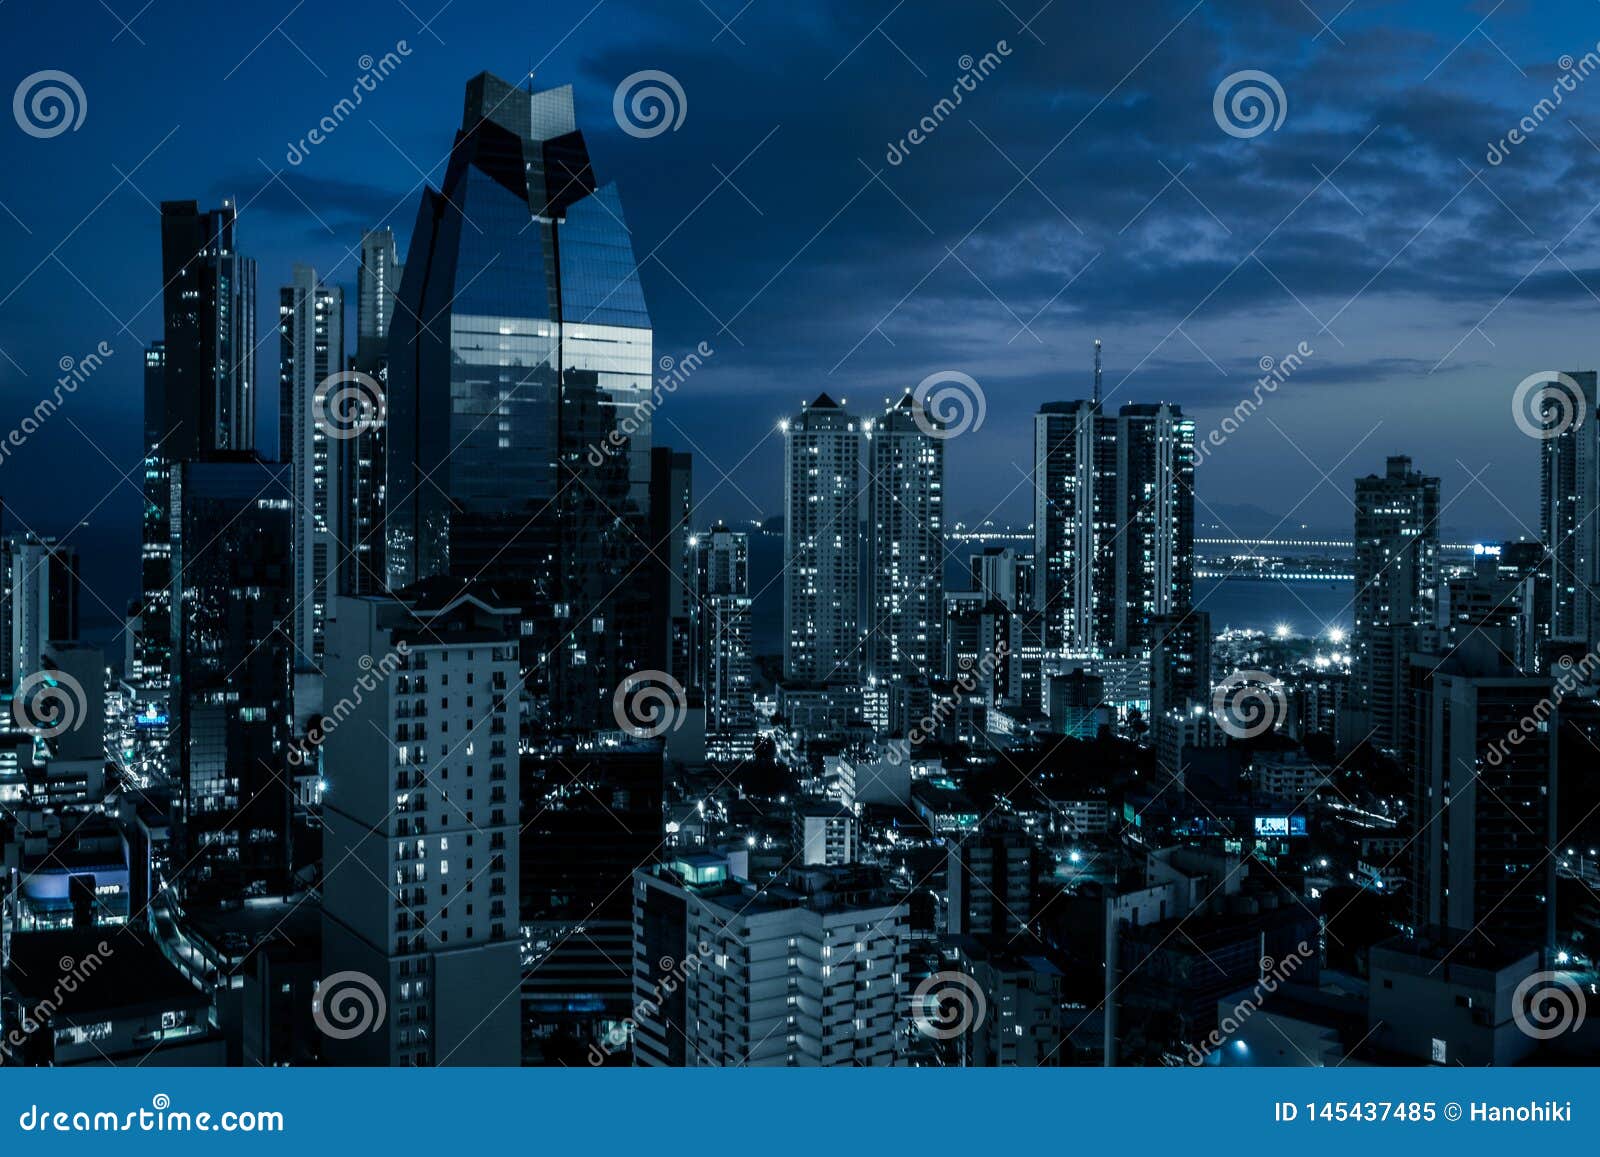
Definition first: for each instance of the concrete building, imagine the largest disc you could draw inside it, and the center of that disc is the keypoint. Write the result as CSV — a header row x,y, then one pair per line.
x,y
821,546
421,824
807,971
905,546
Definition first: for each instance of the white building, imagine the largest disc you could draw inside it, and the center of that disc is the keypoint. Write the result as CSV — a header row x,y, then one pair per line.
x,y
809,971
821,546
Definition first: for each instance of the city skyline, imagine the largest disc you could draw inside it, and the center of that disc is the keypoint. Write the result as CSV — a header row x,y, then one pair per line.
x,y
523,675
336,181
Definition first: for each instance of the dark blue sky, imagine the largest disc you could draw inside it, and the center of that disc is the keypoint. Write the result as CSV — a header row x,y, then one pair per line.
x,y
1427,281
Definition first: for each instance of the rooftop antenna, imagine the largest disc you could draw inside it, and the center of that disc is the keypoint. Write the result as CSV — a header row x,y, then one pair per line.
x,y
1097,373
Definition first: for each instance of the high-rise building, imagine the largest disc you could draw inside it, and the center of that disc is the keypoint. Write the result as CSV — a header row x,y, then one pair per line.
x,y
595,816
232,593
727,658
1001,573
1113,523
821,545
992,874
311,349
535,349
1397,575
905,527
363,456
1074,505
42,591
153,637
377,285
671,565
807,971
1569,493
1180,678
1155,520
209,314
421,823
1485,799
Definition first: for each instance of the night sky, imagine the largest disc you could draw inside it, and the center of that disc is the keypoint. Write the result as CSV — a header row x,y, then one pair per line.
x,y
1083,189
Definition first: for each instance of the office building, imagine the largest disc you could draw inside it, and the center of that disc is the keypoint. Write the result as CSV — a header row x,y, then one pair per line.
x,y
1396,575
311,349
905,544
423,797
535,349
726,651
821,545
209,315
1485,798
44,590
674,608
363,456
232,594
1113,523
1569,473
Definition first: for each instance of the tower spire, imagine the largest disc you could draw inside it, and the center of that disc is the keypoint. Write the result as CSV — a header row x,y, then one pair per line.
x,y
1097,373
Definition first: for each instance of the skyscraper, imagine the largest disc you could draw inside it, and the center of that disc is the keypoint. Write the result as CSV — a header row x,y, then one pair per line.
x,y
44,589
727,660
536,345
363,456
231,598
311,348
1113,523
671,565
1486,803
153,643
1569,493
1074,503
421,823
209,314
821,545
905,526
1397,575
377,284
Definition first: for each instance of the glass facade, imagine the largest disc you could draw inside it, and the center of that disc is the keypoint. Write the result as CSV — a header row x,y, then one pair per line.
x,y
519,340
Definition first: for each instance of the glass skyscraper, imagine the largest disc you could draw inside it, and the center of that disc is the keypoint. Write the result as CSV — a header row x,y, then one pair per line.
x,y
520,339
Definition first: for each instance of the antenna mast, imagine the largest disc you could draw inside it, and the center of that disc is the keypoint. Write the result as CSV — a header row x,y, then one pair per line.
x,y
1097,373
